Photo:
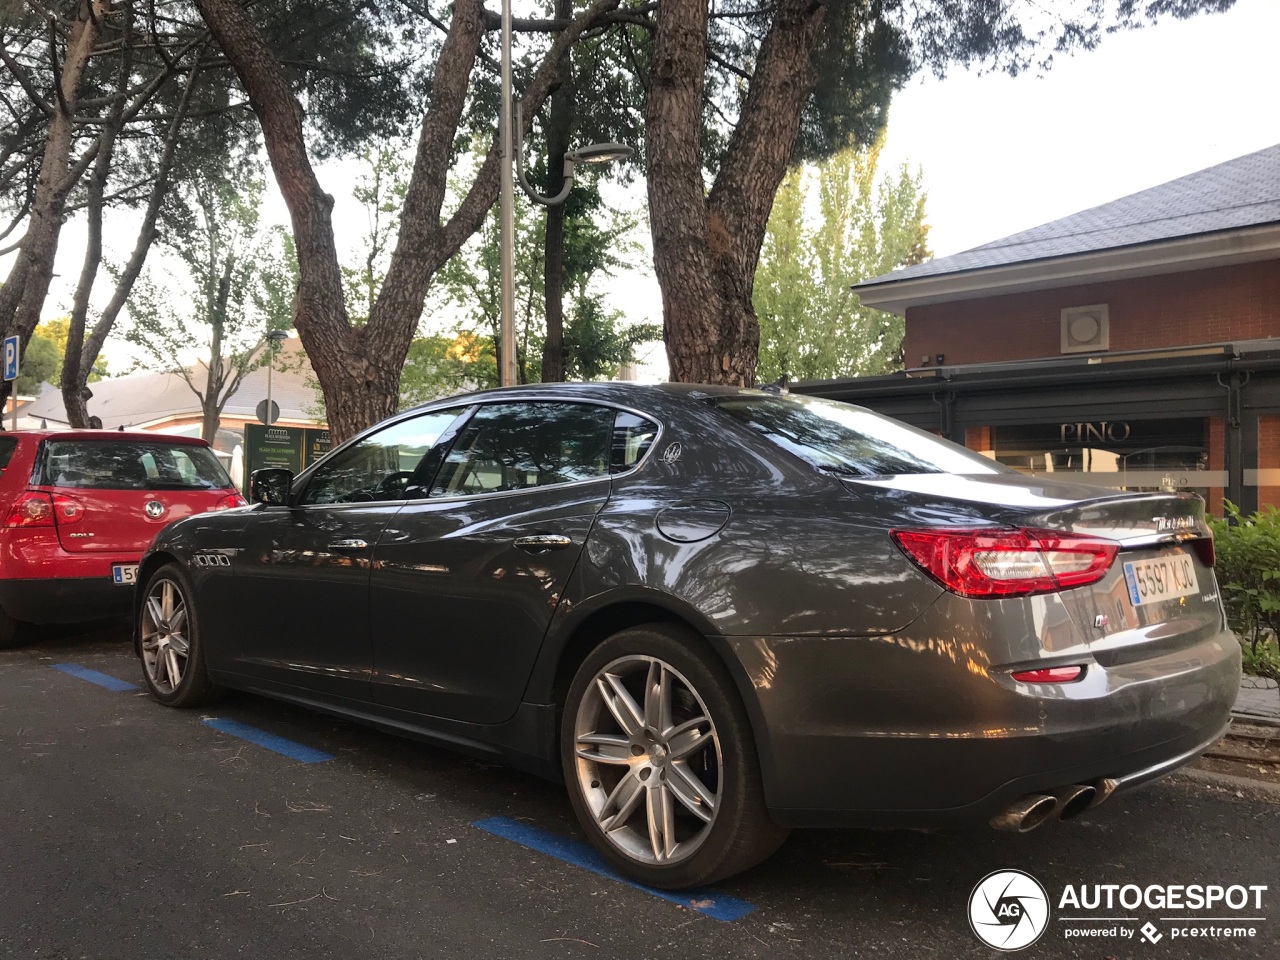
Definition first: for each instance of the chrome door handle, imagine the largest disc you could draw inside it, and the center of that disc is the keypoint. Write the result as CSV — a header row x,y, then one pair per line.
x,y
348,545
543,541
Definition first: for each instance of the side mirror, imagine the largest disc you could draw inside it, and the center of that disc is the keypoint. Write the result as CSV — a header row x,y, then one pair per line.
x,y
270,486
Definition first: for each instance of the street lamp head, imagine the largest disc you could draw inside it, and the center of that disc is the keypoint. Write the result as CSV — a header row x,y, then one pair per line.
x,y
277,335
600,153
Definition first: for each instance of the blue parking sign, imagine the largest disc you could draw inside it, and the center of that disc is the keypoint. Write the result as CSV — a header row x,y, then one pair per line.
x,y
11,358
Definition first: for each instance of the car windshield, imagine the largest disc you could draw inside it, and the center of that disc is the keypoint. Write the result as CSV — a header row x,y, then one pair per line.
x,y
846,440
131,465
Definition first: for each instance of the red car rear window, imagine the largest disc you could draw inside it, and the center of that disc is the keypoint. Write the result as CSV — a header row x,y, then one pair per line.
x,y
7,446
130,465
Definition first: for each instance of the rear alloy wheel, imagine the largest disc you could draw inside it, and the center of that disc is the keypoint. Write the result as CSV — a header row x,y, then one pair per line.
x,y
168,639
660,762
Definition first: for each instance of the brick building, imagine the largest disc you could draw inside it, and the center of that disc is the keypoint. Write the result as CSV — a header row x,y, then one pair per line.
x,y
1134,345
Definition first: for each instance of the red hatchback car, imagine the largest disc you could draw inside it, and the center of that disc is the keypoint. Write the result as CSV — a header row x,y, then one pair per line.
x,y
77,509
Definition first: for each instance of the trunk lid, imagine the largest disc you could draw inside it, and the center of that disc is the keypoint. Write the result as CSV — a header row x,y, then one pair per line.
x,y
1158,595
115,492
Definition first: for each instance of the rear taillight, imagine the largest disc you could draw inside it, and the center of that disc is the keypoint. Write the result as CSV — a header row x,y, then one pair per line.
x,y
68,510
230,501
30,510
1205,550
1007,563
1049,675
33,509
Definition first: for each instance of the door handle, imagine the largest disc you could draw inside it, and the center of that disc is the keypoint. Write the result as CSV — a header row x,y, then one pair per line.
x,y
348,545
539,542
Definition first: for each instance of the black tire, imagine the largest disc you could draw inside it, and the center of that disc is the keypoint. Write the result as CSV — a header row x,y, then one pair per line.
x,y
700,758
11,631
163,634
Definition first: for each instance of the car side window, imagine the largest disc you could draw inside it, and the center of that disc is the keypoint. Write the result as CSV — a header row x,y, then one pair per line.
x,y
513,446
633,435
383,466
7,446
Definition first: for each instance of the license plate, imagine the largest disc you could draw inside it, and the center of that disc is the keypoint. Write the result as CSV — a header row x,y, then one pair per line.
x,y
124,574
1161,578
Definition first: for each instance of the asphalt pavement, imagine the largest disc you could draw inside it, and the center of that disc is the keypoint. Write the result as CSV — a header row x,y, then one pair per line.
x,y
256,829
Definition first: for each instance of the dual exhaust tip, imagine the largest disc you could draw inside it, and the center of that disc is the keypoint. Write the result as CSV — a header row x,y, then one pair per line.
x,y
1063,803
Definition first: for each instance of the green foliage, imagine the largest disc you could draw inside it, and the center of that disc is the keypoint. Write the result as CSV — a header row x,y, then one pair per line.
x,y
441,365
41,363
57,330
833,224
239,284
596,344
1248,571
380,188
597,241
862,57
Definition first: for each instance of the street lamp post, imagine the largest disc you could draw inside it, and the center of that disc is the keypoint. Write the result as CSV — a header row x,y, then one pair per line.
x,y
592,153
274,337
507,215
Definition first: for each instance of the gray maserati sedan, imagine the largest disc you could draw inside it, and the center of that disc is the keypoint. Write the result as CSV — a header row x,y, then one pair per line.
x,y
716,614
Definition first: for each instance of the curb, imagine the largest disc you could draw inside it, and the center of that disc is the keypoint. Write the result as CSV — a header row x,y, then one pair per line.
x,y
1228,782
1256,719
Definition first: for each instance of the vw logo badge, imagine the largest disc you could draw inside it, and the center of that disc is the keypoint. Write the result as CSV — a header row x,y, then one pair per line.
x,y
155,509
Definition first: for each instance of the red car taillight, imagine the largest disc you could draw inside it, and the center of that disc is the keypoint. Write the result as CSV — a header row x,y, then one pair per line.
x,y
229,501
1050,675
34,509
1007,563
30,510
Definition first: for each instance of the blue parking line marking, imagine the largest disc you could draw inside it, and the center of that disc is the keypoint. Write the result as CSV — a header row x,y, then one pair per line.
x,y
718,906
269,741
93,676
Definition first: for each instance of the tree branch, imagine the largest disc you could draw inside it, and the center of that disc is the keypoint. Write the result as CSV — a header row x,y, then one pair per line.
x,y
24,80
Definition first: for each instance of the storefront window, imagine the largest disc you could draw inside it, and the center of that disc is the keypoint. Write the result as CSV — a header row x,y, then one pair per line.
x,y
1184,454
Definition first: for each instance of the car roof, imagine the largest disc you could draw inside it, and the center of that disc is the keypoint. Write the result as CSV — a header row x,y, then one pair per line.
x,y
617,391
104,435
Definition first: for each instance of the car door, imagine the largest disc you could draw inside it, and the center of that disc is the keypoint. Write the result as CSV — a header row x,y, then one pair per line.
x,y
465,581
303,575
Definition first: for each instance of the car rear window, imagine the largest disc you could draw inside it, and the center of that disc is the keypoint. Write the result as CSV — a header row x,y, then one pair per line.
x,y
7,446
130,465
842,439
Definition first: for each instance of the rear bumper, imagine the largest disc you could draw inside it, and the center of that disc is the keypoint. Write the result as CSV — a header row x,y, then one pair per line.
x,y
894,731
68,600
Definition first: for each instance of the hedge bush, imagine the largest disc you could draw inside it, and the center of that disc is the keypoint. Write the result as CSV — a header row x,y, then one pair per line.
x,y
1248,568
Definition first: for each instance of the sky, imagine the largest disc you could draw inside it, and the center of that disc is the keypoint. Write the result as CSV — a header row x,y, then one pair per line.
x,y
1002,154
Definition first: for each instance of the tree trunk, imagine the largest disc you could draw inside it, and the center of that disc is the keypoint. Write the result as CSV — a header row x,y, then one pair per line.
x,y
22,296
558,133
706,248
217,372
84,346
359,368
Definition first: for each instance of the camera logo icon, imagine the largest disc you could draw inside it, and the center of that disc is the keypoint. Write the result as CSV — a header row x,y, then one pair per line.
x,y
1008,910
